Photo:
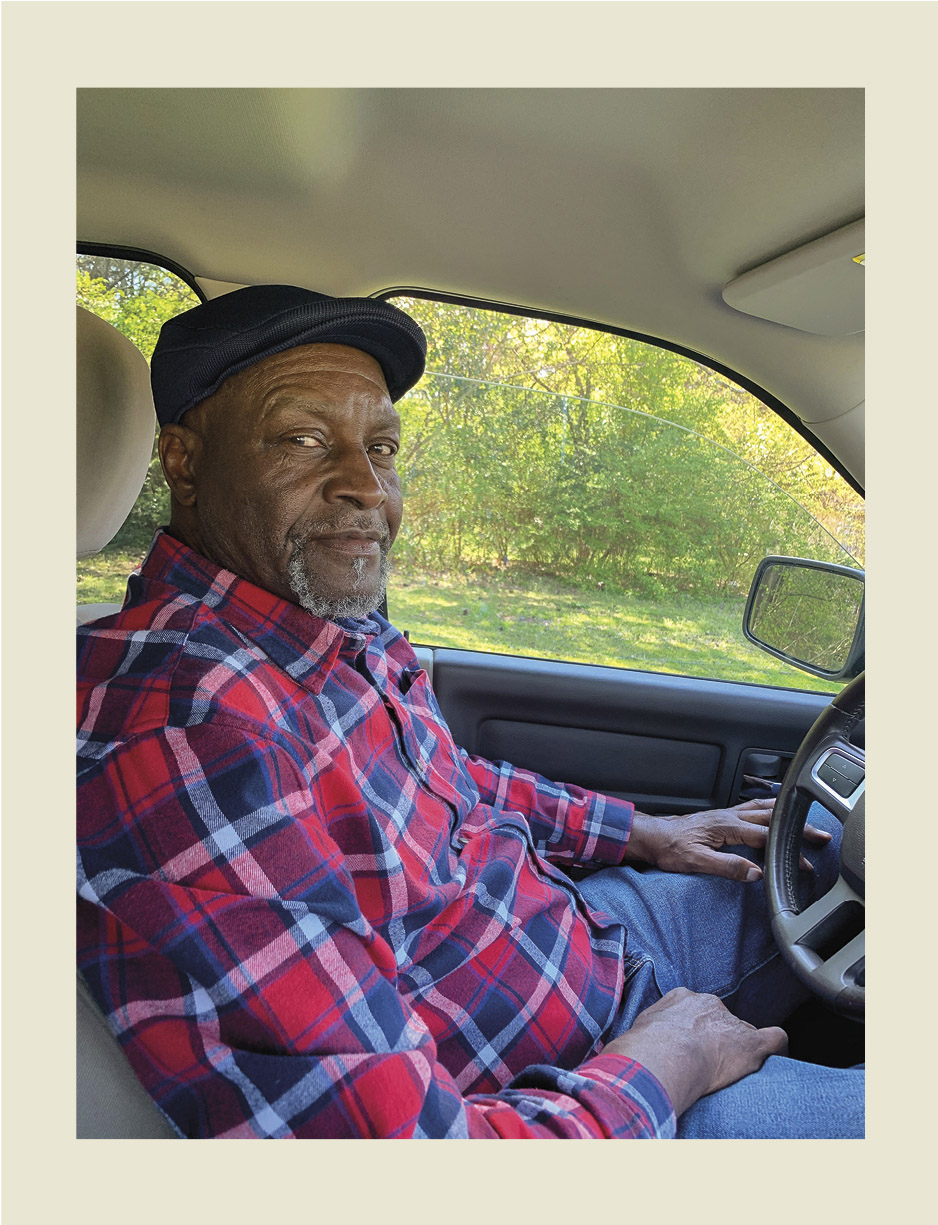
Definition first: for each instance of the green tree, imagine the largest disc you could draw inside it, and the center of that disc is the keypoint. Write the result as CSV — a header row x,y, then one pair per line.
x,y
573,452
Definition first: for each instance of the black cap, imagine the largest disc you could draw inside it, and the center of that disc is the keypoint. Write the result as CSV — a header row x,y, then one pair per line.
x,y
202,347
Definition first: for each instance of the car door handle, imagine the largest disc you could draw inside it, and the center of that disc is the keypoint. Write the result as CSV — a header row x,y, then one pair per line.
x,y
760,774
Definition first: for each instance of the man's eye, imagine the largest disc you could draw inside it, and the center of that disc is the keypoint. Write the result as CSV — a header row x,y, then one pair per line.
x,y
385,448
306,440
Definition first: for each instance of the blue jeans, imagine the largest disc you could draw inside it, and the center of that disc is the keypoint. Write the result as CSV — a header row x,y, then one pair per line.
x,y
713,935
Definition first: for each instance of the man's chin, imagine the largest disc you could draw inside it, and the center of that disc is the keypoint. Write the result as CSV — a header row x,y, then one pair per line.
x,y
339,608
357,601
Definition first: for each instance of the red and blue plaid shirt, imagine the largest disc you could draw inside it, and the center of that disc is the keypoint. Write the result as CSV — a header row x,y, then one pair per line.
x,y
306,912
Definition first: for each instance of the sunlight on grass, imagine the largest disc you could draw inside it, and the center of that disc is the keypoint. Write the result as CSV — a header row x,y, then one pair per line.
x,y
550,620
103,578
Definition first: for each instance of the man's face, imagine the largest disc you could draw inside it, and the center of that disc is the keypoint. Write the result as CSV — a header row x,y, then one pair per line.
x,y
294,478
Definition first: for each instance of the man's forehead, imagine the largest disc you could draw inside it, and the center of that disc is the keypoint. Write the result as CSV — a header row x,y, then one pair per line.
x,y
317,378
318,360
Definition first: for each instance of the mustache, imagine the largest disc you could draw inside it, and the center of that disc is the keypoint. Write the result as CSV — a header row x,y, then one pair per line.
x,y
343,523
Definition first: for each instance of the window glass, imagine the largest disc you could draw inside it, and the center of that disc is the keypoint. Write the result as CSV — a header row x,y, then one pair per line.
x,y
575,495
137,298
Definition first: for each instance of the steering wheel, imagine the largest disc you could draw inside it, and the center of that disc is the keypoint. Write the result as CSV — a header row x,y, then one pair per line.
x,y
823,944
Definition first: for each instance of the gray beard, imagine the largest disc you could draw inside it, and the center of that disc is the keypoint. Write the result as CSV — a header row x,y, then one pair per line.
x,y
354,603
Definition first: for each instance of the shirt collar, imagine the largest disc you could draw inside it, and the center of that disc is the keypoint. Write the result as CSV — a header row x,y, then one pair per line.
x,y
303,645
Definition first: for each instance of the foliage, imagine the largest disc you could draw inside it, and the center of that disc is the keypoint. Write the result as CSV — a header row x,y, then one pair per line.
x,y
628,374
569,452
136,298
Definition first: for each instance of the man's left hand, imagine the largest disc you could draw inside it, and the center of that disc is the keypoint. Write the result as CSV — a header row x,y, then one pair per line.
x,y
693,843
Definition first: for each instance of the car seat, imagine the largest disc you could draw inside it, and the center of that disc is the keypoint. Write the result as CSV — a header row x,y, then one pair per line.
x,y
116,422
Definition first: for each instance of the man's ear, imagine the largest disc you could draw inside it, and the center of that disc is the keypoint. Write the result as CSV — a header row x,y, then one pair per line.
x,y
179,449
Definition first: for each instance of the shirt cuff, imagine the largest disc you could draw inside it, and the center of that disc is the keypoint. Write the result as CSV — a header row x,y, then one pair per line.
x,y
645,1093
612,824
618,1097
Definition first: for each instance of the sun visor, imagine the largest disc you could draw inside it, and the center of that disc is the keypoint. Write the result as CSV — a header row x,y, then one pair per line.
x,y
816,288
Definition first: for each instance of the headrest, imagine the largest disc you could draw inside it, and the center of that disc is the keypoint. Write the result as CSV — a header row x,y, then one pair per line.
x,y
116,423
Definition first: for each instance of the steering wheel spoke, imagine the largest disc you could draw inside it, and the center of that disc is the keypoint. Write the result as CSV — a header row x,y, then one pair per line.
x,y
819,917
842,970
827,941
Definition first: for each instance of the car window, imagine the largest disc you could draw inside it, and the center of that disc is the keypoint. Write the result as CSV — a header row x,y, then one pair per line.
x,y
137,298
576,495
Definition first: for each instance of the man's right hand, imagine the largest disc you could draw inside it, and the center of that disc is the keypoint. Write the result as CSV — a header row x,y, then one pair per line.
x,y
694,1045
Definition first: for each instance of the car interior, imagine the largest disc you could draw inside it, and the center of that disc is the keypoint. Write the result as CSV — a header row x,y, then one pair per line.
x,y
727,224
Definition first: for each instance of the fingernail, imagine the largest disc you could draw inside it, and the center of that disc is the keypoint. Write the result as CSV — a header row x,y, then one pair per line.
x,y
753,874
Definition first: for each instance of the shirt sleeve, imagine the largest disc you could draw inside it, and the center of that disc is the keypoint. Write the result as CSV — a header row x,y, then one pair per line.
x,y
568,823
220,932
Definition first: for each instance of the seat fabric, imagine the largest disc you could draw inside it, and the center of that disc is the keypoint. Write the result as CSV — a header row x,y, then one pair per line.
x,y
112,1104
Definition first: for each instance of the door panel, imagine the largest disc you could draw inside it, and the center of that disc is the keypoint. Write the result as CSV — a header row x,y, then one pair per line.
x,y
670,743
640,768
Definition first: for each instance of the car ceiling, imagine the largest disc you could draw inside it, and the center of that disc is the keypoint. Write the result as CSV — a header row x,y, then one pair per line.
x,y
632,207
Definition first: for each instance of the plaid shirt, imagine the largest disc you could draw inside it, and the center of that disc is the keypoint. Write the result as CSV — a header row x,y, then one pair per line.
x,y
305,912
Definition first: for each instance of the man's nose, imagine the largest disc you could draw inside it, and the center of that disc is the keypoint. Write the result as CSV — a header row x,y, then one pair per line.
x,y
354,479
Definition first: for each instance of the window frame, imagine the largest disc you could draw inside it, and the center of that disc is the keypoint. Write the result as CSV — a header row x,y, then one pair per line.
x,y
139,256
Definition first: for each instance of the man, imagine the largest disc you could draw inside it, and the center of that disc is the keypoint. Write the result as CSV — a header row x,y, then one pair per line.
x,y
304,909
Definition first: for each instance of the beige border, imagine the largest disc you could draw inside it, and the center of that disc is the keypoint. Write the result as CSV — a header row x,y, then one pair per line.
x,y
51,48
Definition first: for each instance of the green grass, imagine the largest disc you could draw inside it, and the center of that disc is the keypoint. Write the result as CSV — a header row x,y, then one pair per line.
x,y
103,578
547,619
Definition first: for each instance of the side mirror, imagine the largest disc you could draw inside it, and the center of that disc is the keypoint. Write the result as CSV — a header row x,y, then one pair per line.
x,y
809,613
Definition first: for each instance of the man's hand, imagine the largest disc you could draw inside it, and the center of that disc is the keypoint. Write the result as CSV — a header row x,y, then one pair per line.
x,y
692,843
694,1045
